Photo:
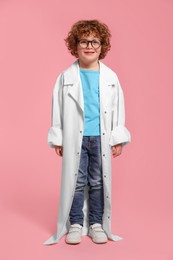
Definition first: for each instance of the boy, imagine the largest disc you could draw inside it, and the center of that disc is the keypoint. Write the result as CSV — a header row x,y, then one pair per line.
x,y
88,126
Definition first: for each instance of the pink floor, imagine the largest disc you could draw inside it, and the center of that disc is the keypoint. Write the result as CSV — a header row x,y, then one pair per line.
x,y
29,218
23,240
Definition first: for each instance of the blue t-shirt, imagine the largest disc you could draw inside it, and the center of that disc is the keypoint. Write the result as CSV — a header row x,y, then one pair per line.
x,y
90,86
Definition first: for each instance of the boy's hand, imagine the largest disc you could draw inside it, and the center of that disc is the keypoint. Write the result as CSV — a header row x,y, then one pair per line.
x,y
116,150
59,150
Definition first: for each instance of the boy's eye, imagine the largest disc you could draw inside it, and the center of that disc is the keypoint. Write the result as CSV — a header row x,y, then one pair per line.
x,y
83,41
95,42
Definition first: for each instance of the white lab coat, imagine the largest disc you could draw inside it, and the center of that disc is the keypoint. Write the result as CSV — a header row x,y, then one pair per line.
x,y
67,131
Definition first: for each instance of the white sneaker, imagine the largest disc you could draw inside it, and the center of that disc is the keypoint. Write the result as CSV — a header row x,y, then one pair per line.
x,y
97,234
74,234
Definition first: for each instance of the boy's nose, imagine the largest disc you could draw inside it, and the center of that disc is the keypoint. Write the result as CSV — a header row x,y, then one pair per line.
x,y
89,45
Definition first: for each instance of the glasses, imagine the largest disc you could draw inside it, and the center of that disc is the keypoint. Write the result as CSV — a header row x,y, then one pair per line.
x,y
94,43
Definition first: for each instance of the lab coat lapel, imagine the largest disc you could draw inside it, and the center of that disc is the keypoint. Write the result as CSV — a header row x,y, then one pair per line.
x,y
75,85
104,87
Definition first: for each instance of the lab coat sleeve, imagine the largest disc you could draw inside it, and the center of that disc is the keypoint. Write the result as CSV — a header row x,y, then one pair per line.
x,y
55,131
119,134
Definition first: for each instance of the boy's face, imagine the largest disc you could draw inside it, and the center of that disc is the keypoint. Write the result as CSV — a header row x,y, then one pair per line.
x,y
88,54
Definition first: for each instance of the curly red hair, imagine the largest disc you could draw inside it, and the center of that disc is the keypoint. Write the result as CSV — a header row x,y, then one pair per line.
x,y
85,28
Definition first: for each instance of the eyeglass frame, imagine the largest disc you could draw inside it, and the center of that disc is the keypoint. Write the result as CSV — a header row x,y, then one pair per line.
x,y
88,42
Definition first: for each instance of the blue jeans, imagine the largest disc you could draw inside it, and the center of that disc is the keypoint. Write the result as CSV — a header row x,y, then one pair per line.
x,y
90,173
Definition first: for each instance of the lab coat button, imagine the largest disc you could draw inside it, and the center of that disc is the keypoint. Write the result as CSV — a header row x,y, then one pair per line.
x,y
104,176
108,217
80,131
105,112
103,133
103,154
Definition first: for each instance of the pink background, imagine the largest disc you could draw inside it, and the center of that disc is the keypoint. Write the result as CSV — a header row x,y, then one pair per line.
x,y
32,54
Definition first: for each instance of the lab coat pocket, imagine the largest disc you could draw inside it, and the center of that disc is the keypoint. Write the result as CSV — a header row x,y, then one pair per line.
x,y
110,95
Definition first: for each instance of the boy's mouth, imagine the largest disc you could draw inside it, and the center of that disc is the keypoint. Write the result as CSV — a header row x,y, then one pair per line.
x,y
88,52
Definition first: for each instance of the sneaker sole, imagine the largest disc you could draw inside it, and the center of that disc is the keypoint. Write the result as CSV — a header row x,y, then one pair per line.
x,y
73,242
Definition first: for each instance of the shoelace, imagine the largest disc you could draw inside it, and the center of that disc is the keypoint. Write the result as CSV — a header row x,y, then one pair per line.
x,y
98,229
74,229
